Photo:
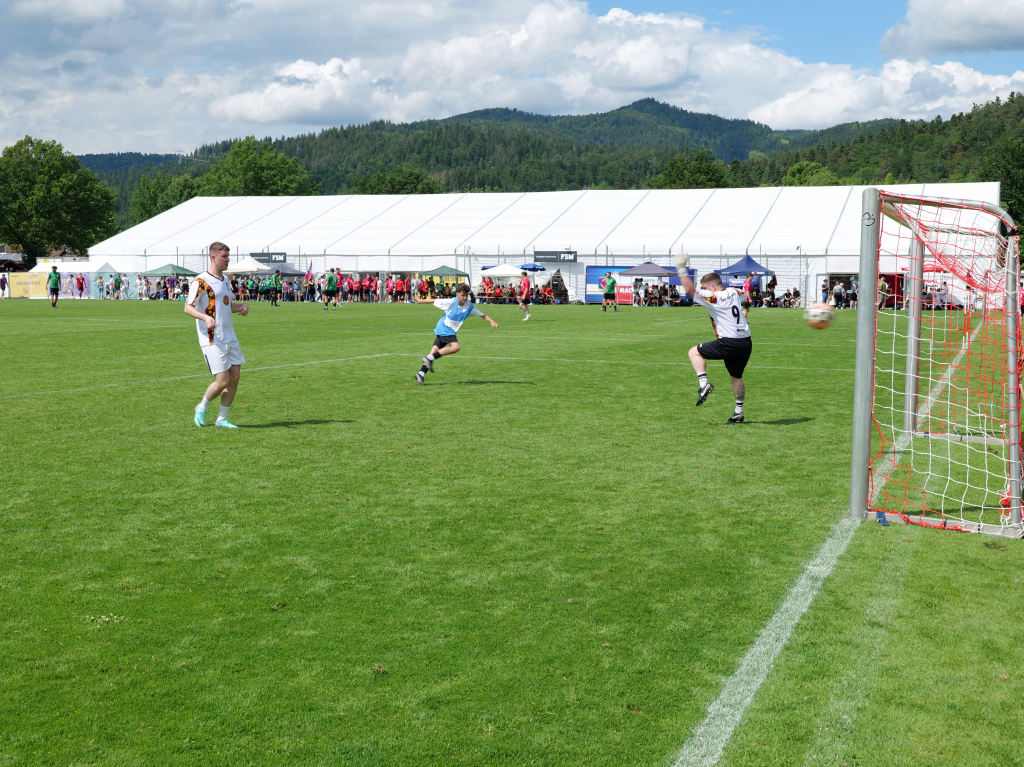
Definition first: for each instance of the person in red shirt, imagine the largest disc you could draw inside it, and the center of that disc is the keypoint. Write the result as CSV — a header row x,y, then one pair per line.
x,y
80,285
400,289
375,289
488,286
389,287
364,288
524,295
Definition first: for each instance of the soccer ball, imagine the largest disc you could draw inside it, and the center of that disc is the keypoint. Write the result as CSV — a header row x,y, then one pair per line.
x,y
819,316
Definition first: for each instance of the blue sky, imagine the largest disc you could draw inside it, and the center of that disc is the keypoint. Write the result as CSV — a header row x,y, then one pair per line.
x,y
168,75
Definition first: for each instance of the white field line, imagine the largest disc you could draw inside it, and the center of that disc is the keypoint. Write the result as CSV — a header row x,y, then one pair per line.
x,y
705,746
708,741
852,691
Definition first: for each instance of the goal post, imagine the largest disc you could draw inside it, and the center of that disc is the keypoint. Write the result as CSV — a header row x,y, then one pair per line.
x,y
936,416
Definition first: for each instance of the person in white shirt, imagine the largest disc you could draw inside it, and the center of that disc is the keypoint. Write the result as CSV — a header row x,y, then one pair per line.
x,y
732,342
140,292
211,303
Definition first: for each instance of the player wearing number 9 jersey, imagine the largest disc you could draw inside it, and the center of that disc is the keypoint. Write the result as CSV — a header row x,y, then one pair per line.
x,y
732,344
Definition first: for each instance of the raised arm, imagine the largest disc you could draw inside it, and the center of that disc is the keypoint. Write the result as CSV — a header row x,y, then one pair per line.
x,y
682,266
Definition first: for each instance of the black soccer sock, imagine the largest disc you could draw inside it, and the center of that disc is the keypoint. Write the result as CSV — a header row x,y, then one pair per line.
x,y
424,370
702,379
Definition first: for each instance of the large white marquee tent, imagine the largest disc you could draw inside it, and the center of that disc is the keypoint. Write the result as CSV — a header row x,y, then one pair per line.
x,y
802,233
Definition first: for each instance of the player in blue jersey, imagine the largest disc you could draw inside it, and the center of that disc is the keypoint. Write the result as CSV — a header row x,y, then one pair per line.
x,y
456,311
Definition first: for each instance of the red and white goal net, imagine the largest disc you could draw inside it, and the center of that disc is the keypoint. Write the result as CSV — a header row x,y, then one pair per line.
x,y
945,411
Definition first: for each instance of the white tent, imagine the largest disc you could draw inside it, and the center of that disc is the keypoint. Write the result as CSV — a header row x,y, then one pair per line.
x,y
247,265
502,271
105,268
801,233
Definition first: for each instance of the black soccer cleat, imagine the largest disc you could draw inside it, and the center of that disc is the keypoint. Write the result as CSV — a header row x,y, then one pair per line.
x,y
736,418
703,392
429,363
419,379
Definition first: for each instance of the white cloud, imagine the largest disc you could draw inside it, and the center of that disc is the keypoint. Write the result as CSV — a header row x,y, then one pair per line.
x,y
169,75
957,26
913,89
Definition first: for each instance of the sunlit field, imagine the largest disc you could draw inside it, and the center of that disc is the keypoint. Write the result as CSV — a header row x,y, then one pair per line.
x,y
546,556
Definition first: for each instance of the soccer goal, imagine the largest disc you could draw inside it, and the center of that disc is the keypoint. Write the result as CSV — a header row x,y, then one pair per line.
x,y
936,430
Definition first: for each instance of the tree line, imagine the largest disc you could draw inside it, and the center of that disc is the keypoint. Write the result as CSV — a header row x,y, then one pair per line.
x,y
41,186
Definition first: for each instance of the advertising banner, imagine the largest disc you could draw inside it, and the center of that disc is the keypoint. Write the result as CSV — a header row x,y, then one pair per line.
x,y
596,280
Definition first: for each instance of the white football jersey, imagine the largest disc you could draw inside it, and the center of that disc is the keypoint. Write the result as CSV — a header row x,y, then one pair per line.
x,y
726,310
213,297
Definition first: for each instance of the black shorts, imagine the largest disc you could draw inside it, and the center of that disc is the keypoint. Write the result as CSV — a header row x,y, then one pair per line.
x,y
609,296
54,291
442,341
735,352
330,293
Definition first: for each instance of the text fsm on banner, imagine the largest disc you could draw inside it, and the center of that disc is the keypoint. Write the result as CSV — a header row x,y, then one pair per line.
x,y
554,256
270,258
596,281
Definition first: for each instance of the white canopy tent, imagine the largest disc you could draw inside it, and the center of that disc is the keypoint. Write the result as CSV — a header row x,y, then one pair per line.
x,y
247,265
503,271
801,233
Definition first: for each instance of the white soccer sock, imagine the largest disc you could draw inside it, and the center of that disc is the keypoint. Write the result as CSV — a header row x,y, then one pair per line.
x,y
702,379
223,412
739,407
203,405
431,357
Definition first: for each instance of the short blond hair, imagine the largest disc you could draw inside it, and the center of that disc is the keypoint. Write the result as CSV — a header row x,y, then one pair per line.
x,y
218,246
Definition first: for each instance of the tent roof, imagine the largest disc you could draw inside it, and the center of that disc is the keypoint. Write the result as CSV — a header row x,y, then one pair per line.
x,y
744,266
648,270
776,221
445,271
247,265
102,269
169,270
286,271
505,270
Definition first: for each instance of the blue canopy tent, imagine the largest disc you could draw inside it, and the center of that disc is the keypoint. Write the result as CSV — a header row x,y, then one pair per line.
x,y
743,267
532,268
735,274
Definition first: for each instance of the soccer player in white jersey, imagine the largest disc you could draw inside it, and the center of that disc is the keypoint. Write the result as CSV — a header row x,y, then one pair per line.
x,y
732,344
211,303
456,311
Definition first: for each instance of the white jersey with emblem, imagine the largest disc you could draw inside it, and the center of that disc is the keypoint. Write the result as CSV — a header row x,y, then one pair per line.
x,y
726,310
212,296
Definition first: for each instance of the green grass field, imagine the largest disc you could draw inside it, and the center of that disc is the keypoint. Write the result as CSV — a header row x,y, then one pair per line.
x,y
547,556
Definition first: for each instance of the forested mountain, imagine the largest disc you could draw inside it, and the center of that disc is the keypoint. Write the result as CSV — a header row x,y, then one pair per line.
x,y
509,150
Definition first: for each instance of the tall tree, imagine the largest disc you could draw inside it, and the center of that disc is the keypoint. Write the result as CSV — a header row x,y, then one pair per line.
x,y
405,179
154,195
48,201
1006,165
699,171
255,168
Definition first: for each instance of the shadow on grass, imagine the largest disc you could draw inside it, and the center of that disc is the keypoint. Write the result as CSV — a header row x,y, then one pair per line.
x,y
782,422
485,383
288,424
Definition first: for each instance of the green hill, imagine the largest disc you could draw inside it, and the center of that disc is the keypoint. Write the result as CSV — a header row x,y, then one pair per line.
x,y
509,150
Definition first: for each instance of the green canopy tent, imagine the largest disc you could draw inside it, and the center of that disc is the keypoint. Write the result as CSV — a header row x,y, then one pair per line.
x,y
444,271
170,270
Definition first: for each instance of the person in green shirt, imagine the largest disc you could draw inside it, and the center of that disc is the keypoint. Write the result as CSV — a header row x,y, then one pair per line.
x,y
609,293
275,288
117,286
331,290
53,283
